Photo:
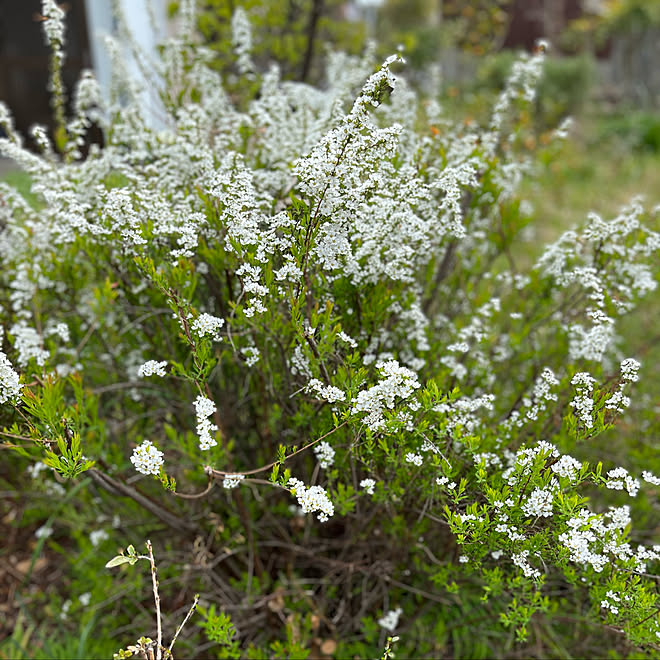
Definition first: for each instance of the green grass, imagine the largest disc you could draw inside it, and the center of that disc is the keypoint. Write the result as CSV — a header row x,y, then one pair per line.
x,y
589,173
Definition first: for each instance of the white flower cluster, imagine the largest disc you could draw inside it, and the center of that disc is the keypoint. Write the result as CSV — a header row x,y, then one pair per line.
x,y
390,620
325,454
579,541
232,481
539,503
629,374
313,499
97,536
87,101
541,394
328,393
152,368
618,479
522,82
521,561
611,604
399,382
542,388
147,459
204,408
251,355
591,540
207,324
488,458
368,485
242,40
567,467
583,402
54,23
347,339
650,478
61,330
251,275
29,344
415,459
10,387
522,461
445,481
630,370
463,412
591,343
570,262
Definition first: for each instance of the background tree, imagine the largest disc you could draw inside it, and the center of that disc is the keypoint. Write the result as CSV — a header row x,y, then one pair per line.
x,y
293,33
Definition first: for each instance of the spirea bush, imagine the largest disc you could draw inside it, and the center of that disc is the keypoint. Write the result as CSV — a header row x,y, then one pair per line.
x,y
293,340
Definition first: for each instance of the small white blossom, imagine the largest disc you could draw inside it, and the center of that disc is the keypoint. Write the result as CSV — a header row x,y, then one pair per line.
x,y
539,503
44,532
204,408
98,536
619,479
368,485
232,480
520,560
10,387
152,368
312,499
390,620
207,324
630,370
29,344
415,459
583,402
34,469
347,339
251,354
567,467
328,393
147,459
398,382
242,40
64,610
85,598
62,331
650,478
325,454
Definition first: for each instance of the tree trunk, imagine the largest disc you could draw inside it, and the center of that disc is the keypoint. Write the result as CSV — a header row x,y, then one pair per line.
x,y
316,13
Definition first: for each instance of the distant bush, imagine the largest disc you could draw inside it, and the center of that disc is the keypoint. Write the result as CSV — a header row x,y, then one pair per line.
x,y
639,131
288,338
563,89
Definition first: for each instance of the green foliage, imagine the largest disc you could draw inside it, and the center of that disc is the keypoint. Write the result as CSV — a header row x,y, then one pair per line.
x,y
307,351
295,34
563,90
634,131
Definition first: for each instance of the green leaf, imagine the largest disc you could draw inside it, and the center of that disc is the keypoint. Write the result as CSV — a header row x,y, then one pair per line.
x,y
119,560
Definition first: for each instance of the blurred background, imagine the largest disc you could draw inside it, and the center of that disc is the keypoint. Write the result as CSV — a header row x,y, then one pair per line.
x,y
602,51
602,68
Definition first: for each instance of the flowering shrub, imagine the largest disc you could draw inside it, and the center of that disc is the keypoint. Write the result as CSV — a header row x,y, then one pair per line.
x,y
310,302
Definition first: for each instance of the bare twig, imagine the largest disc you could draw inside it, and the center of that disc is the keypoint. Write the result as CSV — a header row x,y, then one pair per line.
x,y
220,474
159,625
118,488
195,496
193,607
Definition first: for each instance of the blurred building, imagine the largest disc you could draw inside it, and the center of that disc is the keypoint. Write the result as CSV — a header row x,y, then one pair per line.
x,y
24,56
531,20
